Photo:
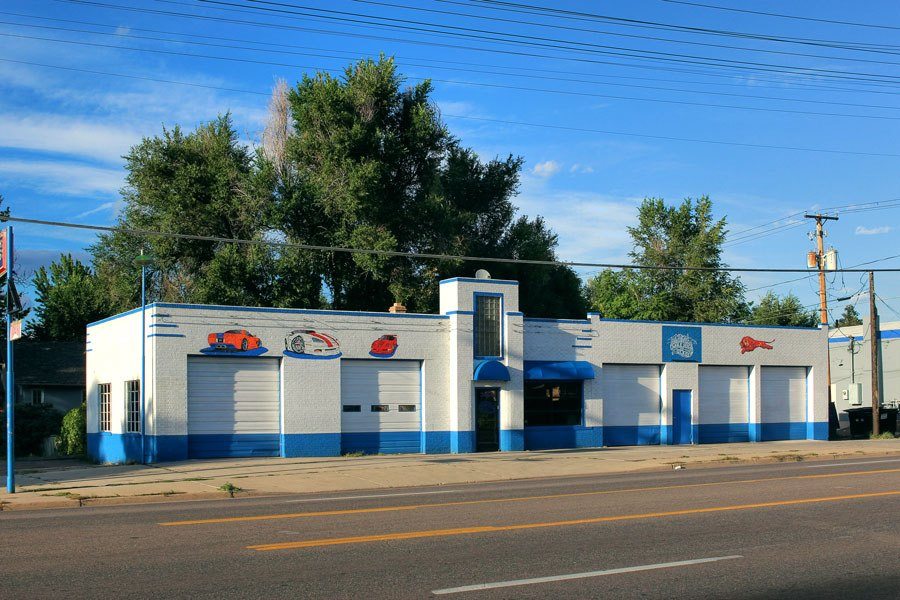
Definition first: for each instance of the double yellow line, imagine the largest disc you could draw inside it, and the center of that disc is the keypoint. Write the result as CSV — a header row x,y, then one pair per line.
x,y
358,511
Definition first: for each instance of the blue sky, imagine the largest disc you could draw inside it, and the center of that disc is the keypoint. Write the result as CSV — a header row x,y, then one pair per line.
x,y
63,132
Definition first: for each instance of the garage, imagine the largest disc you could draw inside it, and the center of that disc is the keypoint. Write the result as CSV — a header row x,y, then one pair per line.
x,y
783,403
631,404
724,404
381,403
233,407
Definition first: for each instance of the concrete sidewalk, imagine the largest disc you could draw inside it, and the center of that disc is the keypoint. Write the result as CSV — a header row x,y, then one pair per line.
x,y
70,483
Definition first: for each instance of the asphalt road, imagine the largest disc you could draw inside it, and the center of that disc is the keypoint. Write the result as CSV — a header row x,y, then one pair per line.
x,y
801,530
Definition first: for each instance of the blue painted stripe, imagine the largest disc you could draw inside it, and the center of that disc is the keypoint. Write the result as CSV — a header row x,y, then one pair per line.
x,y
631,435
381,442
719,433
885,334
436,442
514,314
512,440
462,441
562,436
587,331
310,444
540,320
585,339
115,448
163,325
707,324
114,317
295,311
473,280
460,312
577,346
175,335
238,445
155,315
782,431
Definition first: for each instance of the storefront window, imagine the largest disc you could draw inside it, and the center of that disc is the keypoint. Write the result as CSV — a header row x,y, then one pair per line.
x,y
553,403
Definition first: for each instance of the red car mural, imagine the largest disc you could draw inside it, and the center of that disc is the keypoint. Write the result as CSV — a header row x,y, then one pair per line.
x,y
748,344
234,340
386,345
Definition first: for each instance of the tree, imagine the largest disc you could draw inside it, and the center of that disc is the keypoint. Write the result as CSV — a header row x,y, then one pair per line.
x,y
375,167
673,237
848,318
773,310
68,298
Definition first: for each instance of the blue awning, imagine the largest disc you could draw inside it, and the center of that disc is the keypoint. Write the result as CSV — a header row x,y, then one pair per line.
x,y
490,370
563,369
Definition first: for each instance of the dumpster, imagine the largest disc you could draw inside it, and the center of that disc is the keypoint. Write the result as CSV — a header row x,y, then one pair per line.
x,y
861,421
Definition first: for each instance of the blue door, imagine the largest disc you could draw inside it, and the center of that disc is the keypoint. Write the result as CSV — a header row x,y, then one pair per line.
x,y
681,416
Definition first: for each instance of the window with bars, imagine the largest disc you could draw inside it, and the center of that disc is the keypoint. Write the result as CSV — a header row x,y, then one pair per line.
x,y
487,326
133,406
104,393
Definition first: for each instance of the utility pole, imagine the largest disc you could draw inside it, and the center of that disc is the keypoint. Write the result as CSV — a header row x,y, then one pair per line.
x,y
873,337
823,299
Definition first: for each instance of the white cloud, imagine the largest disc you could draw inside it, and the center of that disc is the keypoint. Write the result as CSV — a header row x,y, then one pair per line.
x,y
67,135
581,169
123,30
547,168
860,230
67,178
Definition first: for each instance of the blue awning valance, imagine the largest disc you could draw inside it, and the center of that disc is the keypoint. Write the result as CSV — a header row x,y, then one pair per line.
x,y
563,369
490,370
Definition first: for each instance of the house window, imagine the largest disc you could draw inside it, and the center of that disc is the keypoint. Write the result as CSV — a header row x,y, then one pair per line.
x,y
133,406
37,397
553,403
104,393
487,326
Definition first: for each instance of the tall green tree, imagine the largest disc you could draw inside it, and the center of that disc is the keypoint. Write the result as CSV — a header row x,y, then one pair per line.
x,y
672,238
787,310
68,297
848,318
374,166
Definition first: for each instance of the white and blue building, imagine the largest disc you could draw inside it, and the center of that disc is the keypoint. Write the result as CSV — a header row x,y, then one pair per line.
x,y
225,381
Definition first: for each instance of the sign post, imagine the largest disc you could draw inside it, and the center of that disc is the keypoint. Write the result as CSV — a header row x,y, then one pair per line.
x,y
6,254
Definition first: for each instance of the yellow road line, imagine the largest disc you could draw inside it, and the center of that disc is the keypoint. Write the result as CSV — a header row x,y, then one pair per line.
x,y
357,511
494,528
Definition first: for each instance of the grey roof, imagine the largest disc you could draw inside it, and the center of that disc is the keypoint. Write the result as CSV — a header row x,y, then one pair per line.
x,y
47,363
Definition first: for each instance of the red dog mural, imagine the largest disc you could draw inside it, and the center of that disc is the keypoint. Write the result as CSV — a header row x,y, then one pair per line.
x,y
748,344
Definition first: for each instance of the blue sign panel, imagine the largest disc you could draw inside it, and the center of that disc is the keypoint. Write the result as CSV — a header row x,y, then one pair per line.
x,y
682,344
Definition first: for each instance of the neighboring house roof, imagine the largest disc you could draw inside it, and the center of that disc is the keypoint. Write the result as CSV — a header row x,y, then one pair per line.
x,y
47,363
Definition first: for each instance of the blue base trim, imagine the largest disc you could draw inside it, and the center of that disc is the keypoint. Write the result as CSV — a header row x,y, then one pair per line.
x,y
310,444
782,431
755,432
462,441
435,442
238,445
721,433
817,431
115,448
311,356
210,351
381,442
666,435
562,436
630,435
512,440
166,448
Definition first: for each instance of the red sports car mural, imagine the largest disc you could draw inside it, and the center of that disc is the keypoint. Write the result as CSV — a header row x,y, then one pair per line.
x,y
748,344
234,340
384,346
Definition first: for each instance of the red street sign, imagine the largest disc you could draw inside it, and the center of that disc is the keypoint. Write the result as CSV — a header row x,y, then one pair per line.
x,y
4,259
15,330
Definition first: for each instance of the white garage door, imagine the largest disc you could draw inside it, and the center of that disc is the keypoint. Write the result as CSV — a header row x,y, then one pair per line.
x,y
381,404
233,407
631,404
723,404
783,403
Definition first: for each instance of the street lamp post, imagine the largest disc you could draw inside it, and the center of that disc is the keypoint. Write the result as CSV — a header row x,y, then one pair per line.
x,y
143,260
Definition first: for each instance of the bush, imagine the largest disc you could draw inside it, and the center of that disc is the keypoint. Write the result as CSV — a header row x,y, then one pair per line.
x,y
34,423
73,434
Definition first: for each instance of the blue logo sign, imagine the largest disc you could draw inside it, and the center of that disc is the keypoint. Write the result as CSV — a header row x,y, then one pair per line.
x,y
682,344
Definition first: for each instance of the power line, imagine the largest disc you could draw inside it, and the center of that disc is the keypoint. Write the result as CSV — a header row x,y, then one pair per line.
x,y
505,121
448,81
427,63
517,53
783,16
400,254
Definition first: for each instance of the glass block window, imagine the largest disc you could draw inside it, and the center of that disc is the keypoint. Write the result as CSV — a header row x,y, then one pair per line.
x,y
487,326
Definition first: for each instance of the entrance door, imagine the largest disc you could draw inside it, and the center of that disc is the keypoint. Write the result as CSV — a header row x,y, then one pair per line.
x,y
681,416
487,420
